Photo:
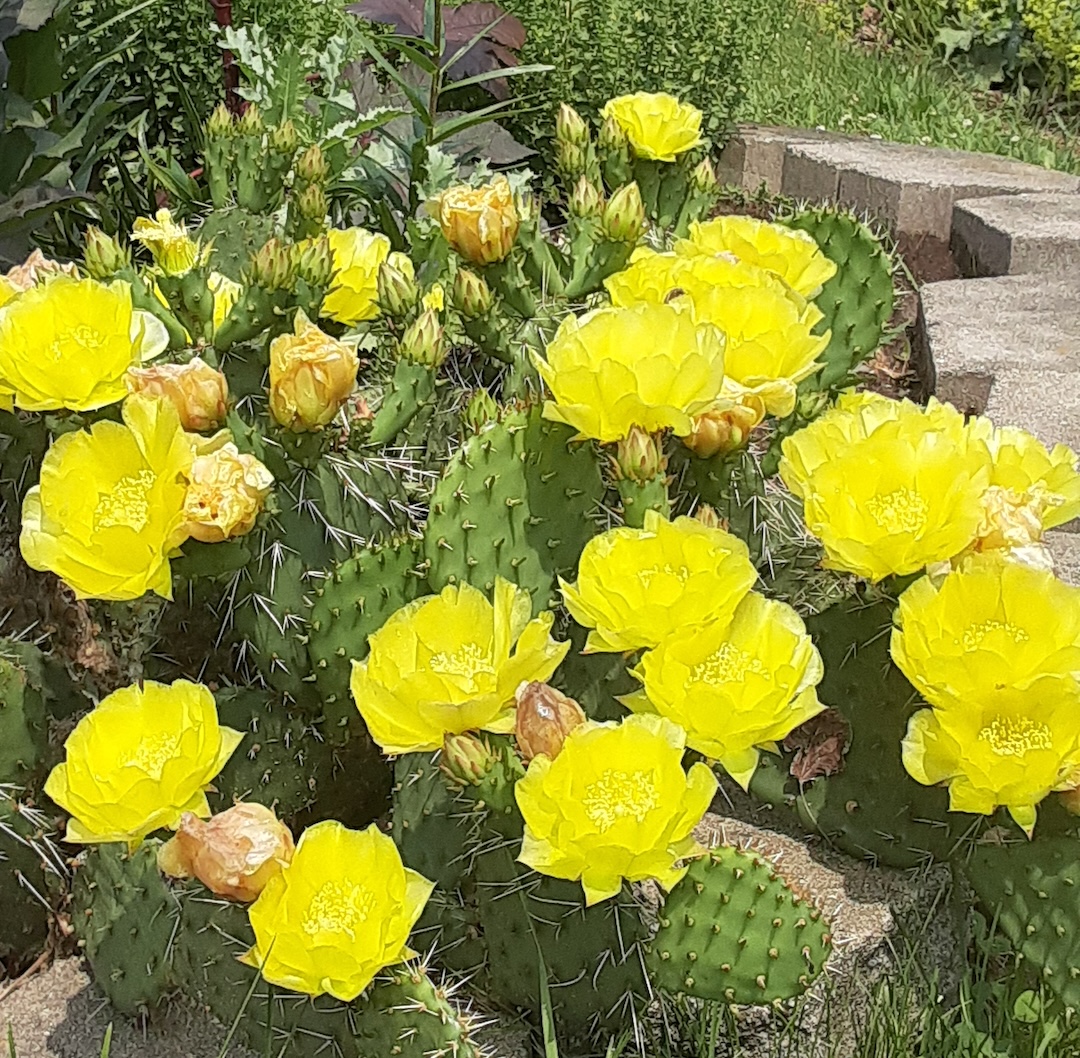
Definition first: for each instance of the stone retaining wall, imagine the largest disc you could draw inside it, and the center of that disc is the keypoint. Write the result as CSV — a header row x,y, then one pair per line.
x,y
1003,340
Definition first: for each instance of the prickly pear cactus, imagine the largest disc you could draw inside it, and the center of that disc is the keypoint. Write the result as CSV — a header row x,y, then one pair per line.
x,y
32,873
858,301
23,717
734,930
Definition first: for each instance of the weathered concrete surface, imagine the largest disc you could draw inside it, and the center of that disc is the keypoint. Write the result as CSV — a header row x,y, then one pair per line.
x,y
754,156
879,917
912,189
1011,234
1008,347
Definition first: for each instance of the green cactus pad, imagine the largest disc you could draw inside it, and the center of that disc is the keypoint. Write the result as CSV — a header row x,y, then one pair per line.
x,y
516,502
733,930
23,718
236,233
858,301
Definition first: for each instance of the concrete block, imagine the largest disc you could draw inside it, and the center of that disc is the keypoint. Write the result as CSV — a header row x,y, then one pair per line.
x,y
1010,234
910,188
1065,550
754,156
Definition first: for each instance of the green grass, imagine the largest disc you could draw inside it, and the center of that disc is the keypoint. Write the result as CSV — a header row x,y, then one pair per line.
x,y
815,78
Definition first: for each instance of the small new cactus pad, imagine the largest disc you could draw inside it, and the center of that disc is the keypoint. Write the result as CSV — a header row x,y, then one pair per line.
x,y
858,301
734,930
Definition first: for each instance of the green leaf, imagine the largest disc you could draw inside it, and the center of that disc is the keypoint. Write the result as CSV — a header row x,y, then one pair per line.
x,y
491,75
449,128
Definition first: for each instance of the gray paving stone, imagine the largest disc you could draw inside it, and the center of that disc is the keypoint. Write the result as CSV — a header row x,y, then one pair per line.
x,y
754,156
1010,234
1065,550
910,188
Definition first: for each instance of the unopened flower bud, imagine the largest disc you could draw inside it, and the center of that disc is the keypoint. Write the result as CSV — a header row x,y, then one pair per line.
x,y
312,166
708,517
545,717
226,491
481,411
272,266
703,178
570,127
284,139
251,123
612,137
466,759
640,456
312,203
234,854
103,256
423,341
311,376
314,261
398,292
199,392
724,428
624,215
221,125
586,199
471,295
571,159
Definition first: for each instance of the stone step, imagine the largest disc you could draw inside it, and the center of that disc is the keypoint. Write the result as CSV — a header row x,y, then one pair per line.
x,y
1011,234
912,189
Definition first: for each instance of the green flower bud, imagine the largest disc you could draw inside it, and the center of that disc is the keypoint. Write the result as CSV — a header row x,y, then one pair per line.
x,y
314,261
570,127
398,292
312,204
481,411
312,166
586,200
571,159
251,124
471,295
466,760
703,178
424,341
640,457
284,139
104,256
612,137
624,216
272,267
221,125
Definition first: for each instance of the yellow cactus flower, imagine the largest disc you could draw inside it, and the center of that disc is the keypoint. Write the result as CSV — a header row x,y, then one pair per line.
x,y
340,912
354,289
226,491
657,125
435,298
174,251
734,687
68,343
199,392
614,805
727,425
986,625
109,508
636,587
311,376
792,254
234,854
480,223
651,366
1011,749
887,487
451,663
226,293
139,761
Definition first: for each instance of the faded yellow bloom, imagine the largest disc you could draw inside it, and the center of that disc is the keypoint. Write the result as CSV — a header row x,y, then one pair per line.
x,y
226,293
174,251
108,511
480,223
354,289
226,491
636,587
543,719
199,392
68,343
735,687
234,854
614,805
651,366
791,254
452,662
35,269
340,912
657,125
139,761
311,376
726,426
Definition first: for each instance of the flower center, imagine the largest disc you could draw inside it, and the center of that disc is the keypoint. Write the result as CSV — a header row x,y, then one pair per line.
x,y
1015,736
729,664
85,337
900,511
128,504
680,573
154,753
338,908
468,662
618,794
973,635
